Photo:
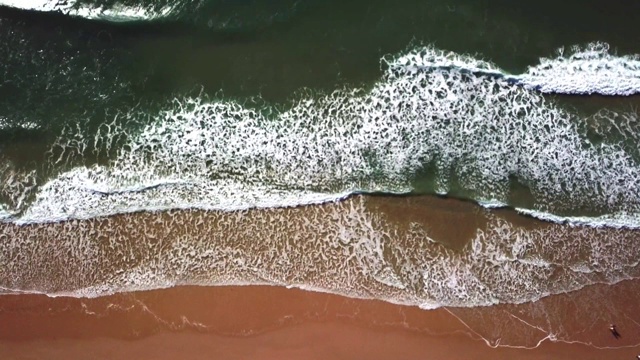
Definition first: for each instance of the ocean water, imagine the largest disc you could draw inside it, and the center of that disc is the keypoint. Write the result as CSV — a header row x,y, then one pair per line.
x,y
109,108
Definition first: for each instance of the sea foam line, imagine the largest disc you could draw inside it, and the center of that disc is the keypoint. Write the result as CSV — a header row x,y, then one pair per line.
x,y
586,70
116,13
582,70
621,219
222,155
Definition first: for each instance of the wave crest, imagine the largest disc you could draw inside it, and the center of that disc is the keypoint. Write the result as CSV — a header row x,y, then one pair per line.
x,y
467,132
591,69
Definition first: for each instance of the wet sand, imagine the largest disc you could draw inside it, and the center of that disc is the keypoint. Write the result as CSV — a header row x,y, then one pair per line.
x,y
262,322
407,250
422,251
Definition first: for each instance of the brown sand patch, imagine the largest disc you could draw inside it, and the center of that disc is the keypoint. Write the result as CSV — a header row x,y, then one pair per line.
x,y
256,322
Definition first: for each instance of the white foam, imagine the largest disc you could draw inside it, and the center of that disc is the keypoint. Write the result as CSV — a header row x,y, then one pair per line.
x,y
591,69
491,204
217,154
427,58
5,124
621,219
68,197
15,188
118,12
345,249
5,213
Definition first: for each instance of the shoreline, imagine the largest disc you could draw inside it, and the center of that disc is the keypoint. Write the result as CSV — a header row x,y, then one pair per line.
x,y
401,249
416,250
268,322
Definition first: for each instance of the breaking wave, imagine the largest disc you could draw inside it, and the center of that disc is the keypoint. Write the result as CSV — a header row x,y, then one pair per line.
x,y
451,131
224,15
103,10
587,70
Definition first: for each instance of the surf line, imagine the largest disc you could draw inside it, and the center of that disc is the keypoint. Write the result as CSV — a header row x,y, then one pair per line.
x,y
580,84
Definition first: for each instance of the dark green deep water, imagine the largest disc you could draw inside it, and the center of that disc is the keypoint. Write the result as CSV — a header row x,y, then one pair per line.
x,y
320,44
63,77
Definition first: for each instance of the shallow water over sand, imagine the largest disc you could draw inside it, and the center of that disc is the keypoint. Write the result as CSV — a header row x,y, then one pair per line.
x,y
421,251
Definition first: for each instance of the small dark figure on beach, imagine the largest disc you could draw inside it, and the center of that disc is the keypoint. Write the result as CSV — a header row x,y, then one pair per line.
x,y
614,331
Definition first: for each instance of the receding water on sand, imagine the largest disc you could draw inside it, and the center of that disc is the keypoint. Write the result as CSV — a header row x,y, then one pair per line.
x,y
358,247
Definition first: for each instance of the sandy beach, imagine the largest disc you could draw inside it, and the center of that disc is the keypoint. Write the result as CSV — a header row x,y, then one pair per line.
x,y
256,322
334,247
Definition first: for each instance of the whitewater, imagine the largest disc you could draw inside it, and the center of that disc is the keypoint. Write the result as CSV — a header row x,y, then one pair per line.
x,y
432,109
90,10
346,248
